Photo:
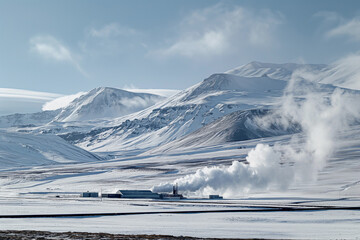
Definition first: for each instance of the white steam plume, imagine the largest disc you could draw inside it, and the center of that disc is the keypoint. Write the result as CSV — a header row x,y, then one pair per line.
x,y
262,171
322,112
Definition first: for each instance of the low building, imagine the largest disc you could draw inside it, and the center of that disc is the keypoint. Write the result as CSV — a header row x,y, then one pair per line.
x,y
111,195
138,194
215,197
171,196
89,194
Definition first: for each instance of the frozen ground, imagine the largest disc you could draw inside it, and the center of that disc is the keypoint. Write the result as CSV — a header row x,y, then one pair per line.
x,y
34,190
20,235
309,225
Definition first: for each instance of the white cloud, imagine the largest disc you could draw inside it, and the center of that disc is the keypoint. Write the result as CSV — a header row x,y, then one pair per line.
x,y
211,42
112,30
49,47
329,16
111,39
23,101
350,29
26,94
219,30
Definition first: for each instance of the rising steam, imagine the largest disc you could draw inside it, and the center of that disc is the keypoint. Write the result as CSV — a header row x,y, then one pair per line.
x,y
322,111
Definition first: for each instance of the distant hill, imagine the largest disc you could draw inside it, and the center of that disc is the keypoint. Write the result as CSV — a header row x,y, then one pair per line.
x,y
106,102
24,149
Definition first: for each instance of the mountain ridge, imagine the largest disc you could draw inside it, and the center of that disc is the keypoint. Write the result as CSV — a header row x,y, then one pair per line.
x,y
201,104
281,71
106,102
77,111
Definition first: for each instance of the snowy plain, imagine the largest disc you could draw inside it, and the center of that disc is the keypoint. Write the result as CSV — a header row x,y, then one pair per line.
x,y
34,191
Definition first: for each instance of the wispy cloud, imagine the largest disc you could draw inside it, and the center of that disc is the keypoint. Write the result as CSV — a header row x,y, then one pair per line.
x,y
329,16
340,26
50,48
111,39
349,29
113,30
211,42
26,94
219,29
23,101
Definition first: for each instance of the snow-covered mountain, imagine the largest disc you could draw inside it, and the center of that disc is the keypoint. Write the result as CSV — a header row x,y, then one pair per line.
x,y
222,108
107,119
106,102
216,96
341,74
273,70
96,104
23,149
190,110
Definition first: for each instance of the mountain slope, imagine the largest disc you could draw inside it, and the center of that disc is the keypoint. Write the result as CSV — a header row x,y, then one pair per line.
x,y
191,109
237,126
96,104
342,74
216,96
20,149
28,119
106,103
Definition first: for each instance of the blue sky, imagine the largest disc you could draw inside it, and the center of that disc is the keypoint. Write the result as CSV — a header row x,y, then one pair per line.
x,y
69,46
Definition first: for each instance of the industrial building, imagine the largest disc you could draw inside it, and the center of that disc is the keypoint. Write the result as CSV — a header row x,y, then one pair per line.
x,y
111,195
138,194
215,197
89,194
148,194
